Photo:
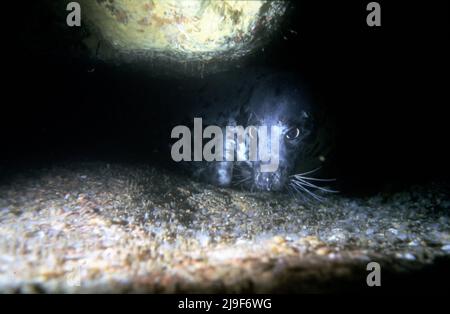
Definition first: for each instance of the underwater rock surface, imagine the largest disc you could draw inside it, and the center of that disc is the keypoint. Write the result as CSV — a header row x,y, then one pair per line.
x,y
190,36
199,30
98,227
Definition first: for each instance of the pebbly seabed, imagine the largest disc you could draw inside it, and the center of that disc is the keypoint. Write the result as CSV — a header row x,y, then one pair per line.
x,y
99,227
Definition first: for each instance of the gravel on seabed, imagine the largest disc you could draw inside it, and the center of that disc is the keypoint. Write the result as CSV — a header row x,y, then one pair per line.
x,y
98,227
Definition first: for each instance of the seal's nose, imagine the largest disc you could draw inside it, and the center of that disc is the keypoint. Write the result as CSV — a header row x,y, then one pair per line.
x,y
268,181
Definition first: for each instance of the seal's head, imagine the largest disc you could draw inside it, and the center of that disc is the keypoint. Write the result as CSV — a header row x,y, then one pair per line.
x,y
276,100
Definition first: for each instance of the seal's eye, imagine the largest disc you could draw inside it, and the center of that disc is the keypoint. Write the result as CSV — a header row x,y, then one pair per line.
x,y
292,133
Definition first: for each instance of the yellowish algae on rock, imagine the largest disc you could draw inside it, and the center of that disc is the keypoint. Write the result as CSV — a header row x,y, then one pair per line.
x,y
187,29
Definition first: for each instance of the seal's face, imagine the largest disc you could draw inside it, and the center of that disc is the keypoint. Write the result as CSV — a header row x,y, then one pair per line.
x,y
293,134
280,105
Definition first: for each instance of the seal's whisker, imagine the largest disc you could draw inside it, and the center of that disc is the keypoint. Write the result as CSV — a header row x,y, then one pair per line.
x,y
296,194
316,179
297,185
242,181
315,196
289,190
240,176
303,182
307,172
